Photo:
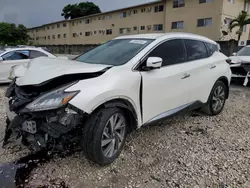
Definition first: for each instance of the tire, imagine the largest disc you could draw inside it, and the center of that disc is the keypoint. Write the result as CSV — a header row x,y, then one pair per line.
x,y
99,143
210,107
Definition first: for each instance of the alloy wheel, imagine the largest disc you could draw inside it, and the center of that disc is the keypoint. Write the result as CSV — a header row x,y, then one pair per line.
x,y
218,99
113,135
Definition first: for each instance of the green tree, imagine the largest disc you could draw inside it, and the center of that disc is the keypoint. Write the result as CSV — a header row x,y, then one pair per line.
x,y
239,22
10,34
79,10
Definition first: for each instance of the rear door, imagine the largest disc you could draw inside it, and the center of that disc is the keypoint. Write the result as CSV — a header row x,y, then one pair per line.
x,y
11,59
202,67
165,90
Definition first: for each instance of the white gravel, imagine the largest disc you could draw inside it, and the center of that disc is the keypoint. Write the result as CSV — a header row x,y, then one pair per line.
x,y
189,151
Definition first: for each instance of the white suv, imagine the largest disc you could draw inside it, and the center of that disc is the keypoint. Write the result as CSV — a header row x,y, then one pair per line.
x,y
122,85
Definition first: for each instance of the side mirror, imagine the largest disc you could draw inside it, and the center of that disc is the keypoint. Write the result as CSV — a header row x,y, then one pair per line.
x,y
1,59
234,54
154,62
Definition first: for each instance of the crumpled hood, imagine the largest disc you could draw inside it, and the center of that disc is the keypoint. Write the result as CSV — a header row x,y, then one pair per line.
x,y
240,59
42,69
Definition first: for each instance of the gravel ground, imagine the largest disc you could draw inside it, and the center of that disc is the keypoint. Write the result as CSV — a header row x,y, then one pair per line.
x,y
189,151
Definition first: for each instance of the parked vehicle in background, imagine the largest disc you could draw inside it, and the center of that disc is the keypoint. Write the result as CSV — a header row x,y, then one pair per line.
x,y
240,65
10,57
120,86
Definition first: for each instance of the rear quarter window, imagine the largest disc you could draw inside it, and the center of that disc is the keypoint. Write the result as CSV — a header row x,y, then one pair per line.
x,y
35,54
211,48
195,49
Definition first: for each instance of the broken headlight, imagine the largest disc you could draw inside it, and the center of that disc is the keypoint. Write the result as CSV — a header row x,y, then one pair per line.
x,y
52,100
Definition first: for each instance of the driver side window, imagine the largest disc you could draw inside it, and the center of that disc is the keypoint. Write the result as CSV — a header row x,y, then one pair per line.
x,y
16,55
172,52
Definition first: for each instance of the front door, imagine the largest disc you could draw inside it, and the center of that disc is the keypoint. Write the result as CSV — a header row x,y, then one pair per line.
x,y
166,90
11,59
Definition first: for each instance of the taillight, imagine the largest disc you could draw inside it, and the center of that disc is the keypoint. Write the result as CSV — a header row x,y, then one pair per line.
x,y
229,61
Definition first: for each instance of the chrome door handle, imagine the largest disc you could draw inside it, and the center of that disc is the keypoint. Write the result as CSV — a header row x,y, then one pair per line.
x,y
213,66
185,76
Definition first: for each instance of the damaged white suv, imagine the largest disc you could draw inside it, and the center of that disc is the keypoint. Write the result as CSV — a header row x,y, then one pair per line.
x,y
126,83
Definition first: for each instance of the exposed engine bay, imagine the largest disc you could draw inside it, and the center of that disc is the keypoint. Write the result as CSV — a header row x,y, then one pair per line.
x,y
51,129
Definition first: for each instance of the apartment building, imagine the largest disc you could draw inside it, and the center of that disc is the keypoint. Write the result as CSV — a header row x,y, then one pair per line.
x,y
204,17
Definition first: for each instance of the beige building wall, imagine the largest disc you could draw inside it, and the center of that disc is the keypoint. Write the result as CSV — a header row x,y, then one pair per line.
x,y
231,10
190,14
131,24
141,19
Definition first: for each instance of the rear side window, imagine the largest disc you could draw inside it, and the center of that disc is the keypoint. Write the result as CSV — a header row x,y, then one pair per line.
x,y
171,52
35,54
211,48
195,49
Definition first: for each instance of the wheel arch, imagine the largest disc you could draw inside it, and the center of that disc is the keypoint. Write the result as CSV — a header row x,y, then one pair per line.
x,y
127,107
226,82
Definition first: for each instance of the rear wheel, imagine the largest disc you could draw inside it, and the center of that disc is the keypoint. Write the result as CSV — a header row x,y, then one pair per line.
x,y
217,99
104,135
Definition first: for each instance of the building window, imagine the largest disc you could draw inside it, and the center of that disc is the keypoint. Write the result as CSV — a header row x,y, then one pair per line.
x,y
135,28
178,3
142,27
87,33
108,17
58,25
123,30
143,10
52,26
204,22
80,33
73,23
64,35
246,6
45,37
95,32
99,18
227,21
149,27
53,36
49,37
158,27
159,8
80,21
87,21
244,28
64,25
123,15
48,27
177,25
58,36
230,1
74,34
135,11
205,1
109,32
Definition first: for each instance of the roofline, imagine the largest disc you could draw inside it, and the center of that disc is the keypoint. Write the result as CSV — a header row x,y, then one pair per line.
x,y
139,5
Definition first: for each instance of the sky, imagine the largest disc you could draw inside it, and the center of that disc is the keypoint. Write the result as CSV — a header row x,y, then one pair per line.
x,y
33,13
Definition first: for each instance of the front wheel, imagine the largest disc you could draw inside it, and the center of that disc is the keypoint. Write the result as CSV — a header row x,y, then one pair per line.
x,y
217,99
104,135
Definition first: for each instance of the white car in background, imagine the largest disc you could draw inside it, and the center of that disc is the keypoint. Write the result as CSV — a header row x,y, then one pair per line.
x,y
124,84
11,57
240,65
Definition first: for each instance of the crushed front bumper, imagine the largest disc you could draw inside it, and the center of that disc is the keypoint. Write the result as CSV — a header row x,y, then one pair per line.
x,y
50,130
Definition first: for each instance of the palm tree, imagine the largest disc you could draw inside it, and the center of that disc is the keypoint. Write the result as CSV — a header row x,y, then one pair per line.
x,y
240,21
